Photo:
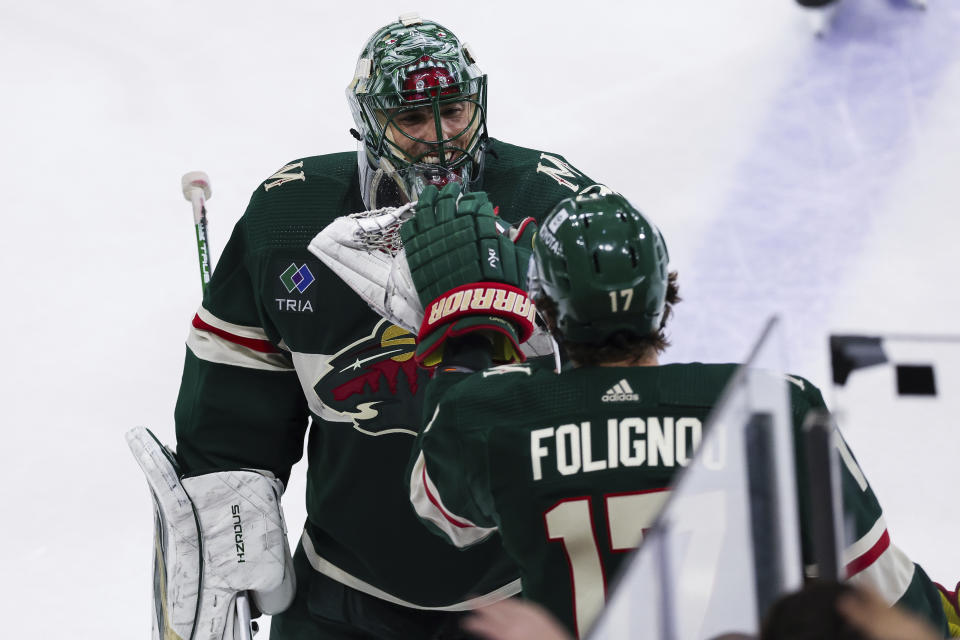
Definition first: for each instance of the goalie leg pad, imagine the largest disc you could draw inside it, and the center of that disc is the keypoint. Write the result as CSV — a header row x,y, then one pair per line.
x,y
216,534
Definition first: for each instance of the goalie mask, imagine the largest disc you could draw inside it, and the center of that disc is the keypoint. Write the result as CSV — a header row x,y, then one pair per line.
x,y
604,265
419,103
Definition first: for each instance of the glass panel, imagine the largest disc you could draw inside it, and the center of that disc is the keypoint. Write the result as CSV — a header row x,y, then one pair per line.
x,y
694,575
899,418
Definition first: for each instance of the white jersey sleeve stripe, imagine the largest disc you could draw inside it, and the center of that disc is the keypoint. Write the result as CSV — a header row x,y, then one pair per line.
x,y
859,549
874,561
426,501
215,340
890,574
238,330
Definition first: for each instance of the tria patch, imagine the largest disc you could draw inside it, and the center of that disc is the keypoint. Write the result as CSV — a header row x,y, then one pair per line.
x,y
297,278
620,392
293,304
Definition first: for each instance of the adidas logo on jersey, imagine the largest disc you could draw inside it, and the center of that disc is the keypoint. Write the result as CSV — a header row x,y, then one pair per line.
x,y
620,392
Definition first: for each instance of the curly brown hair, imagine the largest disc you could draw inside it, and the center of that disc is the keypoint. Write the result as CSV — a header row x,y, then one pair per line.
x,y
618,346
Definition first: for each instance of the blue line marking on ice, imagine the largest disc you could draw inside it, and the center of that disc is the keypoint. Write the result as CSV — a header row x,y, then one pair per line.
x,y
803,198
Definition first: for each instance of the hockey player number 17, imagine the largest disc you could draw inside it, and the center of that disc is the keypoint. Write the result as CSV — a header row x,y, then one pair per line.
x,y
571,522
626,294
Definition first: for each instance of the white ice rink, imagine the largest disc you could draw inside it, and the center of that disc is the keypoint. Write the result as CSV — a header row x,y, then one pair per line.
x,y
817,179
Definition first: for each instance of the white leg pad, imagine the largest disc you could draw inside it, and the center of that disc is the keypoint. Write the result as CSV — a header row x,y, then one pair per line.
x,y
216,534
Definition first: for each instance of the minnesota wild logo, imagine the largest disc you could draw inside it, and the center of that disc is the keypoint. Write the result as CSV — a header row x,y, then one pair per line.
x,y
373,382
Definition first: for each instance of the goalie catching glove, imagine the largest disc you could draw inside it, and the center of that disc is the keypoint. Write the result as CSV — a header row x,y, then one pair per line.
x,y
364,250
468,273
216,535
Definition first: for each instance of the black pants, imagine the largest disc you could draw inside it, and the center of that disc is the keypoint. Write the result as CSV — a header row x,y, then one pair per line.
x,y
325,609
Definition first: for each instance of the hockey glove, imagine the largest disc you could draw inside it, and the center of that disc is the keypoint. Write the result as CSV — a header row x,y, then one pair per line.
x,y
469,272
363,250
216,535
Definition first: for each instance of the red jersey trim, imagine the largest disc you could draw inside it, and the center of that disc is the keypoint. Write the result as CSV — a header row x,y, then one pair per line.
x,y
261,346
870,556
436,503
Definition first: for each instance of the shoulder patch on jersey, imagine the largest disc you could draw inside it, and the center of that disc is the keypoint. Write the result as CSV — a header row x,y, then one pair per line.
x,y
507,368
292,290
559,170
285,174
299,278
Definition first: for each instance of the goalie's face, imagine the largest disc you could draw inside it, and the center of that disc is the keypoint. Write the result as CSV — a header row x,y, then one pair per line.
x,y
433,134
419,103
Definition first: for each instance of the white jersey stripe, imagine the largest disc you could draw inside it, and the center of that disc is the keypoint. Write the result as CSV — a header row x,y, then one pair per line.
x,y
216,340
850,463
332,571
875,561
252,333
866,542
890,574
213,348
428,505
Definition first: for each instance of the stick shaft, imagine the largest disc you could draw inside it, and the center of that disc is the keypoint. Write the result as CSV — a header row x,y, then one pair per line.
x,y
200,225
198,202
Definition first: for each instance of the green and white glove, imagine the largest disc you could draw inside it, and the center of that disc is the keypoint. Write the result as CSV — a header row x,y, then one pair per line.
x,y
469,271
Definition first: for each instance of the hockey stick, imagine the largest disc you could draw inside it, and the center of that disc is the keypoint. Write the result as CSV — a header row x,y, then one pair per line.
x,y
196,189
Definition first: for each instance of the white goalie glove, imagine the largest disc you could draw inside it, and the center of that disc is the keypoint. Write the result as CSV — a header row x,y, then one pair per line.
x,y
365,251
217,536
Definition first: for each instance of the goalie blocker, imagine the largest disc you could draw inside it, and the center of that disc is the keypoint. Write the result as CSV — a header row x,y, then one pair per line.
x,y
216,535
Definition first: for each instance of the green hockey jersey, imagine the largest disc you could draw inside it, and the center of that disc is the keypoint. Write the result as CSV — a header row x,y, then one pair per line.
x,y
544,460
280,341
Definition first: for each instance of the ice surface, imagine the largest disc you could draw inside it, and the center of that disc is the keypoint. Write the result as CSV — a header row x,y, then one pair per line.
x,y
817,179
